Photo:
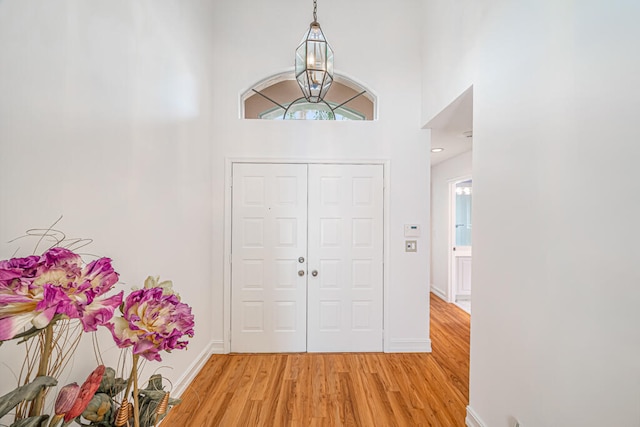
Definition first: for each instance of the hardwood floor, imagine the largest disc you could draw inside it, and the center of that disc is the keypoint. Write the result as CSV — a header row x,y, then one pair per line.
x,y
342,389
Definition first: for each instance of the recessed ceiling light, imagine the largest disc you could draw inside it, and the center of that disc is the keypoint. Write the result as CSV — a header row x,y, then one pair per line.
x,y
437,150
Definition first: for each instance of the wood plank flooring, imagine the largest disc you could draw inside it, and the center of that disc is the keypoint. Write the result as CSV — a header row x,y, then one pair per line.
x,y
341,389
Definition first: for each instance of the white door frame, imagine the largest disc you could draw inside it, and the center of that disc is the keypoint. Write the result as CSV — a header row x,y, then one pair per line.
x,y
228,177
451,231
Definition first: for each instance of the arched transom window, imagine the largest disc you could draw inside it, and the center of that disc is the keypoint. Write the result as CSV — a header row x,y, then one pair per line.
x,y
279,98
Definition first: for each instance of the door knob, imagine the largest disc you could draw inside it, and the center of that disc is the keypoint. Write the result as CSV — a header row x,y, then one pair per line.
x,y
301,259
314,273
300,273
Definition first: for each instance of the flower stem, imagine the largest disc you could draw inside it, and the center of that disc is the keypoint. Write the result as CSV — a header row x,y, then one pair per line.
x,y
136,408
55,420
43,367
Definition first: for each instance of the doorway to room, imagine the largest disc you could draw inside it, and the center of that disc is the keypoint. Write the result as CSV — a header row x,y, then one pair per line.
x,y
451,220
451,186
460,238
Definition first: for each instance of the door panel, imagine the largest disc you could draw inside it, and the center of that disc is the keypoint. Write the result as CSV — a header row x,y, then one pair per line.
x,y
345,300
463,276
269,235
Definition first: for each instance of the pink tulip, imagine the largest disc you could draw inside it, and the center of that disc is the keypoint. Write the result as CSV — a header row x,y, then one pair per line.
x,y
66,398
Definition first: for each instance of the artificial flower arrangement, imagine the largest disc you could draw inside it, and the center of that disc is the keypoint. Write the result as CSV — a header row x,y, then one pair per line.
x,y
47,301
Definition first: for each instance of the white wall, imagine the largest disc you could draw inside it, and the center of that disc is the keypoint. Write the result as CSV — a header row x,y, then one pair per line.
x,y
555,333
449,31
441,175
390,66
105,118
120,115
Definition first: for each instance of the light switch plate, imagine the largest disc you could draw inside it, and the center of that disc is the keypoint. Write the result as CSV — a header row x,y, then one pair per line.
x,y
411,246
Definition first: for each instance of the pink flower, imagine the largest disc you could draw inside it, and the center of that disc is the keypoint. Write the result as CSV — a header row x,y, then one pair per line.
x,y
33,290
100,274
19,267
153,320
19,298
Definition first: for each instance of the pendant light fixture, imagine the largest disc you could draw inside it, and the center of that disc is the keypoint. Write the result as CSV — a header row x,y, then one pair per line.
x,y
314,62
314,74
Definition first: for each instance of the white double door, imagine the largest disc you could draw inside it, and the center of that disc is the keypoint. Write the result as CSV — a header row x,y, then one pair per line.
x,y
307,258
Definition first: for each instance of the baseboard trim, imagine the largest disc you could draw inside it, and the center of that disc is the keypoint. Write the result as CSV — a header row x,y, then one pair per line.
x,y
438,293
473,420
409,346
186,378
217,347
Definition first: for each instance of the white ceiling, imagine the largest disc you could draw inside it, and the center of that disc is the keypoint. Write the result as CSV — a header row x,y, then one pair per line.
x,y
450,129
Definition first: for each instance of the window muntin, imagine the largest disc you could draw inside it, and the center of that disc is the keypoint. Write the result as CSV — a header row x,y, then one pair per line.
x,y
304,110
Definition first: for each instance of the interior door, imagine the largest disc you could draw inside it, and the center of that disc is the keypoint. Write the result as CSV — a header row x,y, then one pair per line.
x,y
280,300
269,250
345,292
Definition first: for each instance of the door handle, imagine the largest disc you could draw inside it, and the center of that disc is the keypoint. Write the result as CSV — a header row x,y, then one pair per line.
x,y
314,273
301,259
300,273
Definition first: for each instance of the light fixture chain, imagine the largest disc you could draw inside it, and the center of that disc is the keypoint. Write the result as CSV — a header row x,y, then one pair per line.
x,y
315,10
